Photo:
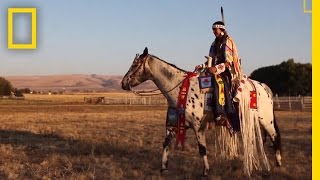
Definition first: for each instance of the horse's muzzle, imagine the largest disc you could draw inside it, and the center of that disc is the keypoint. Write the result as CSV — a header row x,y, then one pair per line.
x,y
125,85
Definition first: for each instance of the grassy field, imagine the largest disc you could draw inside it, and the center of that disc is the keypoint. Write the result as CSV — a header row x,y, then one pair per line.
x,y
78,141
64,99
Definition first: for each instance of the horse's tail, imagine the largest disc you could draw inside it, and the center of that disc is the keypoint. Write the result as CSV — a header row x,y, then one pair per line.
x,y
254,155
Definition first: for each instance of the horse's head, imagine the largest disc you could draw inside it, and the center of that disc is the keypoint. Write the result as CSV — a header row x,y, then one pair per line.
x,y
137,73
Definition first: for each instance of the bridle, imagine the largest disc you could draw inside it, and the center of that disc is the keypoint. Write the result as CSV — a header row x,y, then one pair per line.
x,y
148,92
141,64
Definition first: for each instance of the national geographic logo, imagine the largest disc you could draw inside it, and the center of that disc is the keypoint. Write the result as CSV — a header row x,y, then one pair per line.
x,y
33,12
307,6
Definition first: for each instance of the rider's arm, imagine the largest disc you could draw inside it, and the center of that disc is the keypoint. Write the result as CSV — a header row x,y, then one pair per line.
x,y
208,63
231,58
219,68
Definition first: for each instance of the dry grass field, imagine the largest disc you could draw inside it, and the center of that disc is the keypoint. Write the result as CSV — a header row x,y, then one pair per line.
x,y
79,141
64,99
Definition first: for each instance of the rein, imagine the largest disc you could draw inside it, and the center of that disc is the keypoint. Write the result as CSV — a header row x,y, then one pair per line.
x,y
152,92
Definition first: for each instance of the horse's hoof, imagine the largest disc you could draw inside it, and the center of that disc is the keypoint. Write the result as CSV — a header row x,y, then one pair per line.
x,y
205,174
164,171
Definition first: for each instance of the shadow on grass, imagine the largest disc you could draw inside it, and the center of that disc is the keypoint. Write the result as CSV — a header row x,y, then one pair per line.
x,y
38,147
146,159
53,143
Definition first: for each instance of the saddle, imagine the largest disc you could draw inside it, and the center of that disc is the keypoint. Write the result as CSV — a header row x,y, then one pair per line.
x,y
206,87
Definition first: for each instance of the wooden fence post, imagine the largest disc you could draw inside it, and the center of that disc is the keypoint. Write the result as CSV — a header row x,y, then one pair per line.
x,y
289,103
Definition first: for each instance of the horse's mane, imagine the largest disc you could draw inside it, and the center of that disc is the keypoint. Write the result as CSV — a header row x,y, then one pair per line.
x,y
168,63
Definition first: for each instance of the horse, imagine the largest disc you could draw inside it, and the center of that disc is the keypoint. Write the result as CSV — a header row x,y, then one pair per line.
x,y
168,78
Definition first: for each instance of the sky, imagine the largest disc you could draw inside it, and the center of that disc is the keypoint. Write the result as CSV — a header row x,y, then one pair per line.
x,y
103,36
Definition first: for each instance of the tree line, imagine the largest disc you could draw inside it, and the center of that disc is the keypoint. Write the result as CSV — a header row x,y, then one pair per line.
x,y
6,89
287,78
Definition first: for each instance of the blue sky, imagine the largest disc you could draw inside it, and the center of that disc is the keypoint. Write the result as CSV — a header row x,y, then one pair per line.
x,y
102,37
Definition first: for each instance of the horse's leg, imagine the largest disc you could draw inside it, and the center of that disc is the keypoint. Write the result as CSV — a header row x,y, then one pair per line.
x,y
271,127
267,118
277,141
166,145
201,138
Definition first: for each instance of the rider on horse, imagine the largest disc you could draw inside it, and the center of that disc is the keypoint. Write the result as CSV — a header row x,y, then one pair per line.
x,y
223,63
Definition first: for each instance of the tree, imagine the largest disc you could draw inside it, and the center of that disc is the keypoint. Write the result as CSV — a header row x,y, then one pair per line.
x,y
5,87
287,78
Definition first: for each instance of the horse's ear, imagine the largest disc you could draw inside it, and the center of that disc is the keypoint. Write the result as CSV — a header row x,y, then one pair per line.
x,y
145,52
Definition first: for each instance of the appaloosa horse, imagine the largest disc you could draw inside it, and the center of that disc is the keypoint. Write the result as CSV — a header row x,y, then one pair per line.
x,y
168,79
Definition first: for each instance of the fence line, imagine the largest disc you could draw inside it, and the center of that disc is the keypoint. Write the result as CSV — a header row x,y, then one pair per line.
x,y
127,100
293,103
279,103
12,97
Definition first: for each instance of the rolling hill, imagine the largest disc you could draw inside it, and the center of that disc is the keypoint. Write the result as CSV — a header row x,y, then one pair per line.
x,y
73,82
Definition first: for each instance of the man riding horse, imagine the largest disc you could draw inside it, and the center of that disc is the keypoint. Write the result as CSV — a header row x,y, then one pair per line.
x,y
223,64
168,78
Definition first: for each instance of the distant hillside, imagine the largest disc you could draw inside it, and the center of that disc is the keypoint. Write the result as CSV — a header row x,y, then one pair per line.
x,y
72,82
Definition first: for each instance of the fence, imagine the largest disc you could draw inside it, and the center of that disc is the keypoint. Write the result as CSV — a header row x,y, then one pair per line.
x,y
12,97
293,103
158,101
94,100
280,103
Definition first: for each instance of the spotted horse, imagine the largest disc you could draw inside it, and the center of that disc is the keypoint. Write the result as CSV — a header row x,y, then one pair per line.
x,y
167,77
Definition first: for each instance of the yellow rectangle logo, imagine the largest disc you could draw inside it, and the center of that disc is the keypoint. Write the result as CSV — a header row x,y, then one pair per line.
x,y
33,44
305,10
